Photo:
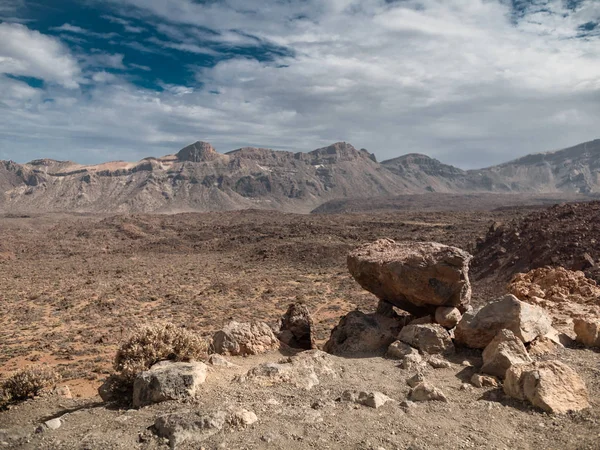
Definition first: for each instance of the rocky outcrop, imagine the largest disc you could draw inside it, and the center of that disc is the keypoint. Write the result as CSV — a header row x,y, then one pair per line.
x,y
245,339
503,352
415,276
587,331
477,328
168,380
549,385
428,338
296,328
358,333
198,152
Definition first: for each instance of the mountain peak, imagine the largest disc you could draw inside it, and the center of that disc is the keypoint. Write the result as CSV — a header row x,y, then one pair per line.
x,y
197,152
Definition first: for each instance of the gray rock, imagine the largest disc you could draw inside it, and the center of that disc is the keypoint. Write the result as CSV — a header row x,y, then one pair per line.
x,y
428,338
415,380
53,424
504,351
245,339
218,360
399,350
415,276
447,316
424,392
168,380
438,363
373,399
189,426
296,328
477,328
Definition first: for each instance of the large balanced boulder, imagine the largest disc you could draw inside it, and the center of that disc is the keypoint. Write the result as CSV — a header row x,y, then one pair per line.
x,y
240,339
477,328
296,328
415,276
360,334
168,380
587,331
429,338
503,352
550,385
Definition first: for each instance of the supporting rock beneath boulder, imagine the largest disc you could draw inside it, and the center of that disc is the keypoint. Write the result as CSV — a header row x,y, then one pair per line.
x,y
362,334
428,338
587,331
477,328
550,385
415,276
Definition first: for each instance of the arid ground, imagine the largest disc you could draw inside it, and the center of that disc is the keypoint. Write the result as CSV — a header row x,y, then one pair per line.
x,y
72,287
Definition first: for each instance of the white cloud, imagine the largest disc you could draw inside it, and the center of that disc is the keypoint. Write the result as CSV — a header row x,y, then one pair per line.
x,y
29,53
456,79
127,26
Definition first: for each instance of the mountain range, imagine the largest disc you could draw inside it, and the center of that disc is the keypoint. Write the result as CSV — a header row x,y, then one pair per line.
x,y
198,178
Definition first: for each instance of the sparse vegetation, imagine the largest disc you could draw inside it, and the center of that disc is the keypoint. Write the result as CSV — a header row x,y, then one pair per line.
x,y
27,383
151,344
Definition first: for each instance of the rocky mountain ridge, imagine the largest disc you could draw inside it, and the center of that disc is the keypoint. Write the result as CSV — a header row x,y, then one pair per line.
x,y
198,178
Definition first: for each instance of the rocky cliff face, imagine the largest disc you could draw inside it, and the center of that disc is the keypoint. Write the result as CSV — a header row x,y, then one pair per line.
x,y
198,178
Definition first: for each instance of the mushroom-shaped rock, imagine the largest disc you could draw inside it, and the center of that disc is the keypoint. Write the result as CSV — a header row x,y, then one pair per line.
x,y
550,385
477,328
240,339
168,380
503,352
429,338
296,328
415,276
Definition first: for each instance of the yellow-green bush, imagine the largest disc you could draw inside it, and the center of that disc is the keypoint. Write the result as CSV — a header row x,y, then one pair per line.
x,y
27,383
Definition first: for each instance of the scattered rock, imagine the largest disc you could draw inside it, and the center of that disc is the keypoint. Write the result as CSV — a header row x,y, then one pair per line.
x,y
428,338
447,316
504,351
358,333
63,391
412,361
114,389
296,328
190,426
415,276
168,380
550,385
477,328
220,361
480,381
587,331
373,399
415,380
438,363
245,339
542,346
53,424
425,392
240,417
399,350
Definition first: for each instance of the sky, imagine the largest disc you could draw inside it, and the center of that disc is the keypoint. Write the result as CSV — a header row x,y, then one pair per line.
x,y
469,82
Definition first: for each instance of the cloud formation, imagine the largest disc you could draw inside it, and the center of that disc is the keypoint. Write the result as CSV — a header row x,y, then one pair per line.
x,y
471,82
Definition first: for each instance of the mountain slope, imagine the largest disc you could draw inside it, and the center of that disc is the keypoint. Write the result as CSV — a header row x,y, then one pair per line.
x,y
198,178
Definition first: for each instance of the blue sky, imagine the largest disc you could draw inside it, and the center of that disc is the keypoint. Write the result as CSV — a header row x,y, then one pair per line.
x,y
470,82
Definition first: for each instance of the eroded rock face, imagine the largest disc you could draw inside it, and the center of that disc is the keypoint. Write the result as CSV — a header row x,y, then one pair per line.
x,y
415,276
296,328
550,385
429,338
361,334
168,380
503,352
239,339
477,328
587,331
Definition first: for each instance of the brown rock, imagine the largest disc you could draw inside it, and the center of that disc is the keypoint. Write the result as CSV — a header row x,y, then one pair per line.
x,y
477,328
479,381
549,385
587,331
296,328
359,333
447,316
428,338
245,339
504,351
424,392
415,276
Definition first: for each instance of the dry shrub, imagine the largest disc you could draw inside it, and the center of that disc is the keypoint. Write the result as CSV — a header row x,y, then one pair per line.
x,y
152,344
27,383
